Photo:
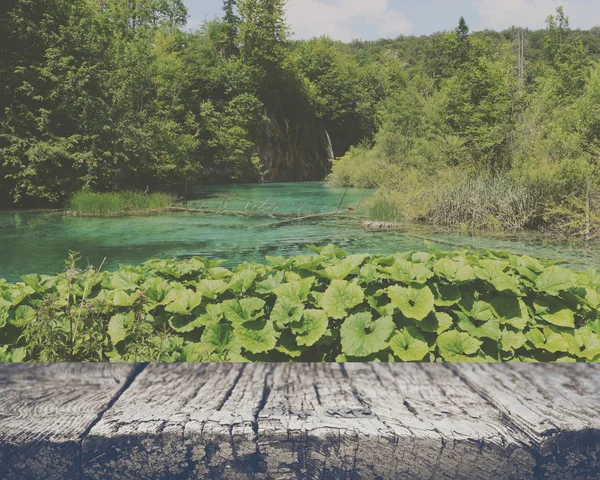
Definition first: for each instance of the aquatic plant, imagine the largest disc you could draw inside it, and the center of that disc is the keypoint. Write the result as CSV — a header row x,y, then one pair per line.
x,y
424,306
118,203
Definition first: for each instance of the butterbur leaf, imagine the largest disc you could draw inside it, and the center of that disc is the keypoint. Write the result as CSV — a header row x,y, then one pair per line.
x,y
186,301
488,329
280,262
414,303
446,295
553,280
586,344
118,327
457,346
288,346
511,310
212,314
436,322
184,324
555,312
245,310
369,273
219,337
284,311
123,280
257,336
361,335
344,268
295,291
512,340
408,272
270,284
311,327
550,340
409,345
340,297
211,288
452,270
492,271
122,299
218,273
242,281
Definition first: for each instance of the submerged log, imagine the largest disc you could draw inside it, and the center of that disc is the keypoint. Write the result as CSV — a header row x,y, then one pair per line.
x,y
301,421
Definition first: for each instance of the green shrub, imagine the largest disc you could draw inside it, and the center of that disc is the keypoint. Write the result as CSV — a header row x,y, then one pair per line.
x,y
459,306
127,202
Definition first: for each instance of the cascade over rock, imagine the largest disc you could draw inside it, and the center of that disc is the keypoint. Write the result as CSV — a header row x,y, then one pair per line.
x,y
292,149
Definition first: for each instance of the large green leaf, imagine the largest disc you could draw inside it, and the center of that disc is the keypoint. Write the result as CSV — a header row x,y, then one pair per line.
x,y
119,325
209,314
123,280
284,311
245,310
553,280
446,295
295,291
408,272
185,301
456,346
551,340
413,302
311,327
492,271
219,337
211,288
340,297
409,345
586,344
511,310
512,340
361,336
436,322
452,270
344,268
257,336
487,329
555,312
242,281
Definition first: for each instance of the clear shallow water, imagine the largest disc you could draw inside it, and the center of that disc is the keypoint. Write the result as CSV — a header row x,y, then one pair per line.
x,y
39,242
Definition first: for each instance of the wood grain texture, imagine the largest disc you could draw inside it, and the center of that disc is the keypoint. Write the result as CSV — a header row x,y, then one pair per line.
x,y
46,410
305,421
556,406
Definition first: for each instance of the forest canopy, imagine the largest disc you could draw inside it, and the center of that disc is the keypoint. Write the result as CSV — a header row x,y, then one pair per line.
x,y
474,129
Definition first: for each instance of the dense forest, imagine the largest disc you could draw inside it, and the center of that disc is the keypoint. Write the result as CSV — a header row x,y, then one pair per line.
x,y
489,129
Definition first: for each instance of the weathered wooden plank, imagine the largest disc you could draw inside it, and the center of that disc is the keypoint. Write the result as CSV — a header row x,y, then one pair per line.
x,y
45,411
557,407
185,421
385,421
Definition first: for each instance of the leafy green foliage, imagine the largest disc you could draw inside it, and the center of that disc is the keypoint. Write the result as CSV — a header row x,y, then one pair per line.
x,y
458,306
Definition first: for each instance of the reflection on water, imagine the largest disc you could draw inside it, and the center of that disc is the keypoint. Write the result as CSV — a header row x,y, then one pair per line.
x,y
39,242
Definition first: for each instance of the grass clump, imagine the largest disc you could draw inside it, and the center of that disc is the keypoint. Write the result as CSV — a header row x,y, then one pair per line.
x,y
119,203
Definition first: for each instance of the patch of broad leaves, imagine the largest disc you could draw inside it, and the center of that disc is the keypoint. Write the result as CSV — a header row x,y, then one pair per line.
x,y
459,306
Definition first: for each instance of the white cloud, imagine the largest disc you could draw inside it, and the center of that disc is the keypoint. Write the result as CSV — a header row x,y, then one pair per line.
x,y
500,14
345,19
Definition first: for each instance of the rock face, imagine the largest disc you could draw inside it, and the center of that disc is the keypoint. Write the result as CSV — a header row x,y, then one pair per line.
x,y
300,421
293,148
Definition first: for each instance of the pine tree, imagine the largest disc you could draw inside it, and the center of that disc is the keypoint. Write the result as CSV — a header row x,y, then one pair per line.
x,y
463,29
230,27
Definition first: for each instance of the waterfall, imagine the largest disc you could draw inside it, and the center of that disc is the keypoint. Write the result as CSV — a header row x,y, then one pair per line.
x,y
330,146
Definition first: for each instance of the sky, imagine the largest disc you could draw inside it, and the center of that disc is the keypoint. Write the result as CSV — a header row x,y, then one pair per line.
x,y
347,20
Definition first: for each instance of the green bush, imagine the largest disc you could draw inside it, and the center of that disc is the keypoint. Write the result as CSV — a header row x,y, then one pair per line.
x,y
128,202
459,306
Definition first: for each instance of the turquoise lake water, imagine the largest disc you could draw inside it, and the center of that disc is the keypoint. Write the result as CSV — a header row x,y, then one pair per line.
x,y
39,241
